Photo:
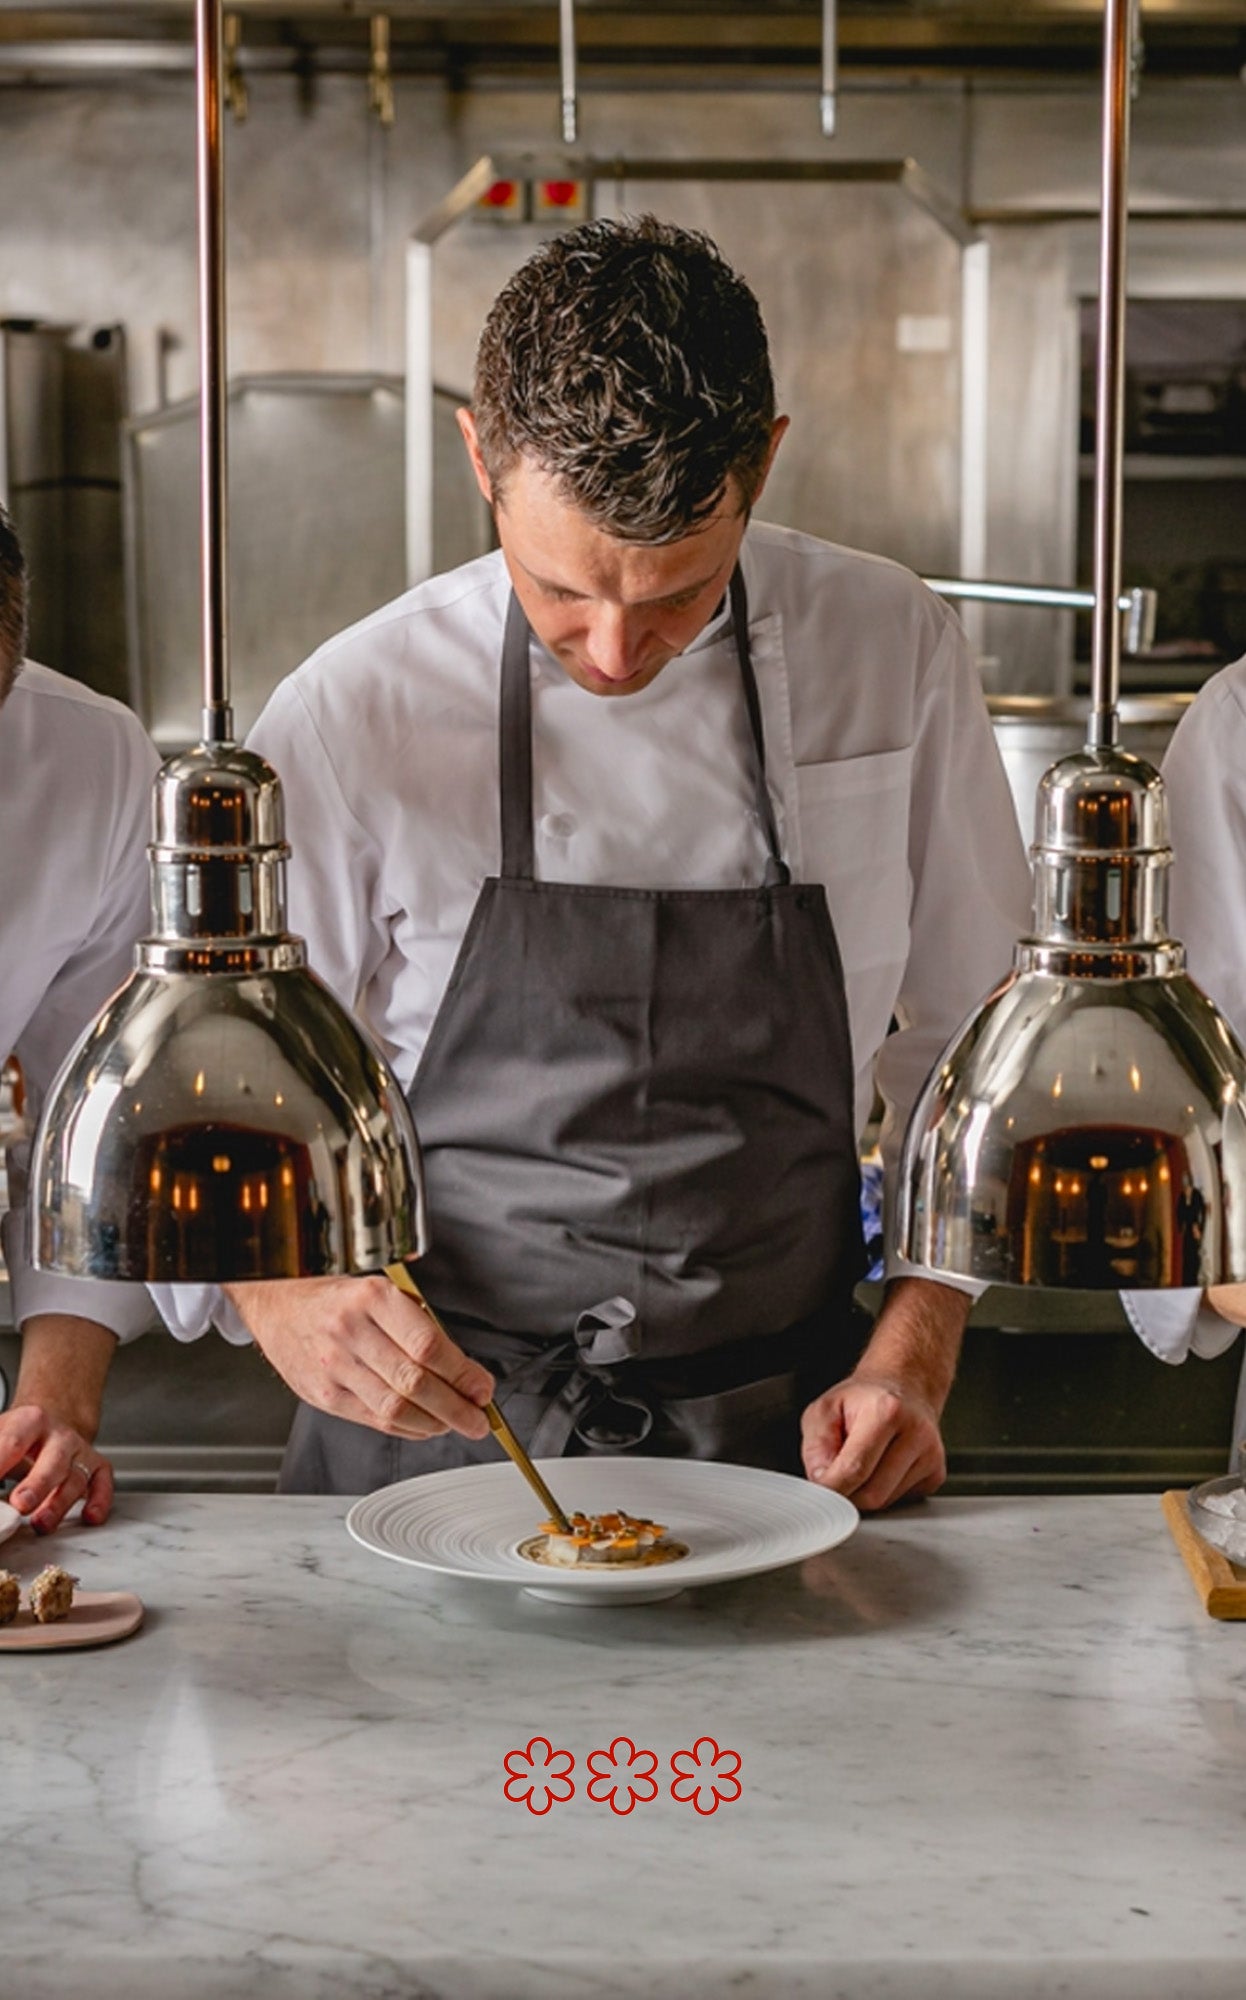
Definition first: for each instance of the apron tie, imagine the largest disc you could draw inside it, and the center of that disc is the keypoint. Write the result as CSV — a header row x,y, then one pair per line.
x,y
589,1402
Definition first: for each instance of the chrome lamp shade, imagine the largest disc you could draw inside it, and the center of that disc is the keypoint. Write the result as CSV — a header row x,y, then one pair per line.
x,y
224,1118
1087,1127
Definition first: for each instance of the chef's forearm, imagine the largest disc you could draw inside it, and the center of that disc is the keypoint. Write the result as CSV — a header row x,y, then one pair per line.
x,y
1229,1301
917,1337
64,1365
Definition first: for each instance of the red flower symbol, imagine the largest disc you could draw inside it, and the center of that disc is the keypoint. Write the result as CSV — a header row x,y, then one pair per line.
x,y
623,1775
539,1775
705,1776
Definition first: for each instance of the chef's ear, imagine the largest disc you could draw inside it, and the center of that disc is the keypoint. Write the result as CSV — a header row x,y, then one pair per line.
x,y
467,426
777,429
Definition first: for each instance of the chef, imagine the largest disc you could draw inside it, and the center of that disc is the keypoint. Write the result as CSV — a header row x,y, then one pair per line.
x,y
630,841
76,773
1205,779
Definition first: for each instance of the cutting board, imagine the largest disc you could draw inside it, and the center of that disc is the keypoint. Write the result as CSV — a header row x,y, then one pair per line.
x,y
1220,1583
95,1619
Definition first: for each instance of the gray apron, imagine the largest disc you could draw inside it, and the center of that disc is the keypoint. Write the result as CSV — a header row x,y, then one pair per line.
x,y
635,1108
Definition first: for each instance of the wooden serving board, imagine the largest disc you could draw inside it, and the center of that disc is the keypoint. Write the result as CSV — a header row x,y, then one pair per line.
x,y
1220,1583
95,1619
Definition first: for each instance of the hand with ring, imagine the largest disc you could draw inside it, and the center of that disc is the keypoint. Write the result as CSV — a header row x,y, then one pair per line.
x,y
54,1466
46,1434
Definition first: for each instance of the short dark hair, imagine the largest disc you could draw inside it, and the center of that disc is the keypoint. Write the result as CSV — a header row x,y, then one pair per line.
x,y
629,361
12,605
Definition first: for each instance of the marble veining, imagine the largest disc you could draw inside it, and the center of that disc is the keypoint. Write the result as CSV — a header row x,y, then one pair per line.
x,y
988,1747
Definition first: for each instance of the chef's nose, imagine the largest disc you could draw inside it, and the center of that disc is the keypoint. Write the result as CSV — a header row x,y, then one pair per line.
x,y
614,642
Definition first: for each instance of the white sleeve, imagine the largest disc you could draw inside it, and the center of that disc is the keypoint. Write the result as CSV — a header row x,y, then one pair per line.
x,y
331,882
1176,1324
191,1310
102,962
1205,779
971,893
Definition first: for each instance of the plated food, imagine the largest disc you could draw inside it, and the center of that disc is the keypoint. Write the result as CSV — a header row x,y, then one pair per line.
x,y
471,1522
50,1597
624,1541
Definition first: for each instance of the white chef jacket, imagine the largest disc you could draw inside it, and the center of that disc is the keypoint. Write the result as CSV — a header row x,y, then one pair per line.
x,y
881,758
76,774
1205,777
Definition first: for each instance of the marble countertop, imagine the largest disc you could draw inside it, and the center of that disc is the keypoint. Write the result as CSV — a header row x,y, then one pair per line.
x,y
989,1750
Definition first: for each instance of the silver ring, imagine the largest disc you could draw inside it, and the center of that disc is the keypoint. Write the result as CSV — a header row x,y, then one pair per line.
x,y
85,1470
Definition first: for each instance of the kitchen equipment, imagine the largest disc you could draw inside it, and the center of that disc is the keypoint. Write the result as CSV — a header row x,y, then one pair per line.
x,y
1033,731
63,395
308,554
336,546
223,1118
735,1519
1182,409
1087,1127
502,1431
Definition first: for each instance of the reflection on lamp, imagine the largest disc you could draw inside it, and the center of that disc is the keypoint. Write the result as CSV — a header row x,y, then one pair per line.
x,y
1098,1060
1094,1003
224,1118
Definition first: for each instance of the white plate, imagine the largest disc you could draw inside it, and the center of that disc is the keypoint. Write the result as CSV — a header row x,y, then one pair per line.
x,y
736,1521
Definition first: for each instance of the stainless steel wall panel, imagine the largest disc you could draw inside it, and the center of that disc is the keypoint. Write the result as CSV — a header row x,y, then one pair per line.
x,y
94,645
1032,404
38,514
35,441
316,541
1038,149
98,226
95,403
63,400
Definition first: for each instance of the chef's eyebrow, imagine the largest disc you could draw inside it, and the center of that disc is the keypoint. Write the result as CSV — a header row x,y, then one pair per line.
x,y
642,603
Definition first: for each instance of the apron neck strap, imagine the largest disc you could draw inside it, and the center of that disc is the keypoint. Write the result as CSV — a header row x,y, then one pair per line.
x,y
777,871
515,743
515,748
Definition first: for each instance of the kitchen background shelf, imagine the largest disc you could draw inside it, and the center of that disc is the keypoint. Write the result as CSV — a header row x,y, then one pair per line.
x,y
1173,465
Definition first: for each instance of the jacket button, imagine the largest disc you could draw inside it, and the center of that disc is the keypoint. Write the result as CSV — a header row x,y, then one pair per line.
x,y
558,826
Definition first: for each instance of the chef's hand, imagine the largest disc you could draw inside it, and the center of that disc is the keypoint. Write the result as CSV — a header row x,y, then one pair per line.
x,y
359,1348
46,1434
873,1440
875,1436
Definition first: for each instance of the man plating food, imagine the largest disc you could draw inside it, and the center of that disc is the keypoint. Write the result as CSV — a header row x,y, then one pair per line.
x,y
76,773
631,841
